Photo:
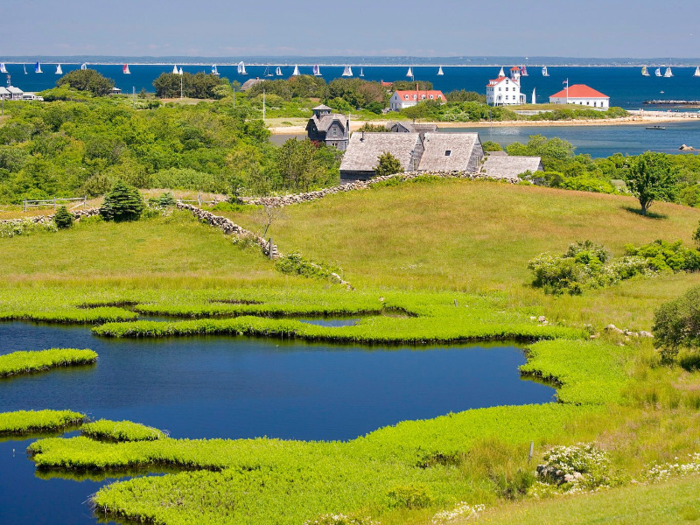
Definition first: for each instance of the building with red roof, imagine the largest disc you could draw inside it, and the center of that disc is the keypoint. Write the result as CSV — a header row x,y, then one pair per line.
x,y
405,99
581,95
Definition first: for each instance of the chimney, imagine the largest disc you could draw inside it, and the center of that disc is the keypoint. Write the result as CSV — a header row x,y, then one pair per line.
x,y
362,137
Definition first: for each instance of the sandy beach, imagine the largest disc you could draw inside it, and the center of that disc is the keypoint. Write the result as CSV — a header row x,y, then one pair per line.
x,y
648,118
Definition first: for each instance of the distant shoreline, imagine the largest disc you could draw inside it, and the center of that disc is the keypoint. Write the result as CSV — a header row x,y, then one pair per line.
x,y
70,62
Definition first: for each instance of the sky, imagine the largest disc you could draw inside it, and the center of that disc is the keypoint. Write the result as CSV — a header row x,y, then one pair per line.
x,y
230,28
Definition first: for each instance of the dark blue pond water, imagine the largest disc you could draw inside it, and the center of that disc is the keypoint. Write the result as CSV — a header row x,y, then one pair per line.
x,y
239,388
625,85
601,141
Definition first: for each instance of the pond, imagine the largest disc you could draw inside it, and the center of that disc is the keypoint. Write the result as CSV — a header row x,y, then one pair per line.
x,y
207,387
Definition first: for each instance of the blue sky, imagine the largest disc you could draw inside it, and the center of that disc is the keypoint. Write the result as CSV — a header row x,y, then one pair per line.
x,y
583,28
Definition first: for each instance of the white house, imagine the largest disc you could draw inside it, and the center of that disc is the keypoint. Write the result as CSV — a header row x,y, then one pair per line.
x,y
581,95
505,91
4,93
15,93
405,99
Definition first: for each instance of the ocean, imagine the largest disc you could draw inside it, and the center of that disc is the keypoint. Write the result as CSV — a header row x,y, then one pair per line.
x,y
625,86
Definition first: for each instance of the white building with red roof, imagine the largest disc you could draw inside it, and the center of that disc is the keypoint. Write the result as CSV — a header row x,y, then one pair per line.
x,y
505,91
581,95
405,99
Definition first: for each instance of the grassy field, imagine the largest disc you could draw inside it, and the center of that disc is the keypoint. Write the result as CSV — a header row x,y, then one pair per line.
x,y
443,260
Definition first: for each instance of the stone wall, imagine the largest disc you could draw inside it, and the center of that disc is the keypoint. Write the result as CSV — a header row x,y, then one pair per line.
x,y
46,219
287,200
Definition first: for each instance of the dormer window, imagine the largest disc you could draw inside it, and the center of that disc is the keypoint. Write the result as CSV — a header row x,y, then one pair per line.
x,y
431,97
448,152
406,97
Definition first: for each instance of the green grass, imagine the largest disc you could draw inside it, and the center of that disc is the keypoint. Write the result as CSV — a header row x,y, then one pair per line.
x,y
30,421
121,431
40,361
675,502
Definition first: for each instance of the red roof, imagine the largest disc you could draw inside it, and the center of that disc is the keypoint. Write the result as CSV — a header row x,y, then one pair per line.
x,y
437,95
515,68
579,91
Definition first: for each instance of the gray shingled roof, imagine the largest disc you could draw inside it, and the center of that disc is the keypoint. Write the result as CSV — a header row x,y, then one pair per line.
x,y
323,123
451,152
510,168
365,148
322,107
250,83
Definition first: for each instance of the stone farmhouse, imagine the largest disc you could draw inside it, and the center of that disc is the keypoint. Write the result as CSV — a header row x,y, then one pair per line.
x,y
328,127
581,95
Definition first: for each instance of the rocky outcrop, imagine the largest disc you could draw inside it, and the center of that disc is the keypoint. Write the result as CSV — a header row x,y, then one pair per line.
x,y
684,147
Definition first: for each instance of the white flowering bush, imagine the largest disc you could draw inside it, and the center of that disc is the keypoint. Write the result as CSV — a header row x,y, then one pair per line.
x,y
667,470
340,519
462,510
582,466
24,227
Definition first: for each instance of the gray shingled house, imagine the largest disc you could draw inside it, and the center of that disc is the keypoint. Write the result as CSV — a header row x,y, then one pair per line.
x,y
328,127
510,168
444,152
364,149
411,127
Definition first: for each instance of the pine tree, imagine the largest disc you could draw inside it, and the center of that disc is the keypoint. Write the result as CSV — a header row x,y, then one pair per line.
x,y
63,218
122,203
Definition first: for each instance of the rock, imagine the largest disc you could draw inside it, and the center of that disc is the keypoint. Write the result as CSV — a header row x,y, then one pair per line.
x,y
533,318
686,148
614,329
646,334
542,319
594,336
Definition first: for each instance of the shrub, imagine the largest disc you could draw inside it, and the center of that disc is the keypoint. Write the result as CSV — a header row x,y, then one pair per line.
x,y
585,265
340,519
294,263
166,199
63,218
123,203
412,496
666,256
677,324
696,236
387,164
583,465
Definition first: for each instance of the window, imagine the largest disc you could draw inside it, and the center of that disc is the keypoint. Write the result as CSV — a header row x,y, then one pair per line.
x,y
439,97
415,97
431,97
448,153
406,97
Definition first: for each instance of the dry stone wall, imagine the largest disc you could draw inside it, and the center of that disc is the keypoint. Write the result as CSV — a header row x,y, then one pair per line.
x,y
288,200
47,219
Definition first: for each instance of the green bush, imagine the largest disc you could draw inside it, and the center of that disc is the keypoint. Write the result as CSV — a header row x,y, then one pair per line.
x,y
696,236
294,263
166,199
677,324
412,496
123,203
665,256
63,218
585,265
387,164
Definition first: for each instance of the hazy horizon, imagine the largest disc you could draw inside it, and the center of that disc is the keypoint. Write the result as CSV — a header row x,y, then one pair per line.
x,y
602,29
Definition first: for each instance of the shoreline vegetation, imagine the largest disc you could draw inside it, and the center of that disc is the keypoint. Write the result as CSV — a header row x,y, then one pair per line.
x,y
38,421
33,362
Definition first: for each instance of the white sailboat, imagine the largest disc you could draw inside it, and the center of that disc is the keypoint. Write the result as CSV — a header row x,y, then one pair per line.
x,y
175,70
267,72
668,73
645,71
278,71
296,72
347,72
440,72
83,66
3,69
317,71
697,72
545,73
25,69
362,72
125,69
241,68
215,70
658,72
534,96
59,71
501,73
180,72
37,68
409,73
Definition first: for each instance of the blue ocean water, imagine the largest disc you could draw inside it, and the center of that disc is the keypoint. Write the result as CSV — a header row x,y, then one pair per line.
x,y
625,85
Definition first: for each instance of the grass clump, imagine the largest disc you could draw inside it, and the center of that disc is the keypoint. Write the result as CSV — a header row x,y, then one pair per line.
x,y
121,431
29,421
40,361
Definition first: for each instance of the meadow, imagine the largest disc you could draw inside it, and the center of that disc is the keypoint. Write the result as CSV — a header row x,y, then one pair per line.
x,y
435,261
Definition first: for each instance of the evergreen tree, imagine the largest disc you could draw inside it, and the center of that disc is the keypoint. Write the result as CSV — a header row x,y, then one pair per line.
x,y
87,80
63,218
388,165
122,203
